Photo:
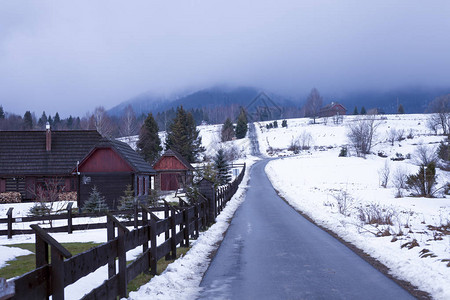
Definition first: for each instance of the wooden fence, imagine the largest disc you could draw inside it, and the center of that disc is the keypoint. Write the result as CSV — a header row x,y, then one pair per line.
x,y
178,226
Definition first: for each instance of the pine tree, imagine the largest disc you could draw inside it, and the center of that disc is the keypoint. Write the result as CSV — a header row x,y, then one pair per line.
x,y
241,126
183,136
126,202
149,143
400,109
50,120
2,113
275,124
27,120
42,121
284,123
355,111
96,202
70,122
222,167
363,111
56,120
227,130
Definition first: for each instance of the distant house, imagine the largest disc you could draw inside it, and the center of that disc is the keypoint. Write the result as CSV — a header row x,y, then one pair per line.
x,y
332,109
110,166
173,171
30,159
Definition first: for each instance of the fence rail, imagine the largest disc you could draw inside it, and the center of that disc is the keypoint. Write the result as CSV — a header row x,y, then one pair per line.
x,y
178,226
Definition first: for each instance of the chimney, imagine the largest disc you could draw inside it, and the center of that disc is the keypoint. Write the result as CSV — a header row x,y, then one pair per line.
x,y
48,137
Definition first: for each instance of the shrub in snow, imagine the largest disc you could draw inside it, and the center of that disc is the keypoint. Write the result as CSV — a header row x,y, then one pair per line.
x,y
343,152
344,202
423,183
96,202
376,214
284,123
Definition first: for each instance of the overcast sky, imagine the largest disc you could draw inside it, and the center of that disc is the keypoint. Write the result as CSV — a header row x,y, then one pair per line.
x,y
71,56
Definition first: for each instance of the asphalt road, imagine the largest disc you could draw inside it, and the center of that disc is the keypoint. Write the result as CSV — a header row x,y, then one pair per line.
x,y
271,252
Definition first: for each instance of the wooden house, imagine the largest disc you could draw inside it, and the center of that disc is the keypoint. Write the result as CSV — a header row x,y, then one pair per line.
x,y
173,171
332,109
29,159
110,166
76,159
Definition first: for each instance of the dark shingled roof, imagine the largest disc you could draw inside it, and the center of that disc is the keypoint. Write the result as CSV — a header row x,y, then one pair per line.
x,y
128,154
23,152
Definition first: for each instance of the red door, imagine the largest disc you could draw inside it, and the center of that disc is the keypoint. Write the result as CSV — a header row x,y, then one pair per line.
x,y
169,182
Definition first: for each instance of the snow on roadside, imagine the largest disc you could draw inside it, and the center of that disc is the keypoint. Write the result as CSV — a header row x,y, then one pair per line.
x,y
309,182
182,278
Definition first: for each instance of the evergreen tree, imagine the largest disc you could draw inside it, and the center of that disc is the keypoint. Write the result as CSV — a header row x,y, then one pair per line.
x,y
183,136
400,109
2,113
355,111
241,126
69,122
27,120
96,202
126,202
275,124
284,123
363,111
149,144
222,167
42,120
77,123
50,120
56,120
227,130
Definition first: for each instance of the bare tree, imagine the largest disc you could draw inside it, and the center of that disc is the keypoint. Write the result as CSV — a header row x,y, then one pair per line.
x,y
424,155
399,180
313,104
101,122
361,134
392,136
128,124
441,117
384,173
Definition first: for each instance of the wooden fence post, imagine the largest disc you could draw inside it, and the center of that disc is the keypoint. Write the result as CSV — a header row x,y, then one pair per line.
x,y
186,227
135,213
196,223
153,247
166,233
9,214
122,255
173,228
110,232
69,218
58,253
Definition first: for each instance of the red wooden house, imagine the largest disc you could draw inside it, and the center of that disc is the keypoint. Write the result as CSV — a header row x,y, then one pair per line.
x,y
110,166
332,109
173,171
